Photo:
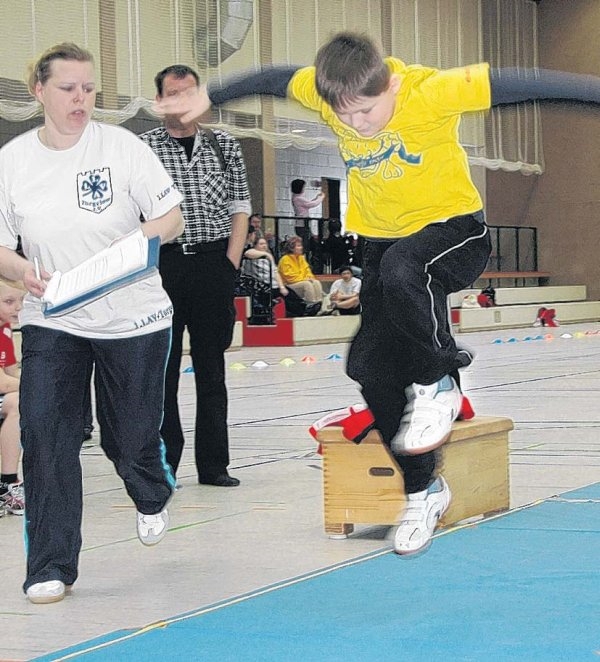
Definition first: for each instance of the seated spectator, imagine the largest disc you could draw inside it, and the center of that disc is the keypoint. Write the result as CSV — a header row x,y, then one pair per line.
x,y
250,237
297,275
241,288
12,498
345,292
255,221
259,264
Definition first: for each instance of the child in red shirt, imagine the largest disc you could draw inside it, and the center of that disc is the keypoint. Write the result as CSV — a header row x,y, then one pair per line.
x,y
12,498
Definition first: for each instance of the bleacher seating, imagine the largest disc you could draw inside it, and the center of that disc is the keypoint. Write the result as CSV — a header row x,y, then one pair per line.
x,y
518,307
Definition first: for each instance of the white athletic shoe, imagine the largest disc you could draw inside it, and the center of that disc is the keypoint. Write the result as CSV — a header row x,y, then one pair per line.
x,y
427,420
14,498
151,529
46,592
423,512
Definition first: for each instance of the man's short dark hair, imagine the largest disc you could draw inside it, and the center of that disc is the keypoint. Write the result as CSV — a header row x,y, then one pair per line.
x,y
345,267
179,71
350,66
297,185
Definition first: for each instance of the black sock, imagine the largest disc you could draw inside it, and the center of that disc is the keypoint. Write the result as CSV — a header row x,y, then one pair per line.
x,y
7,479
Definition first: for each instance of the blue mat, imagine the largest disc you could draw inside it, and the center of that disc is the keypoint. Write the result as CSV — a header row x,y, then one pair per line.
x,y
524,586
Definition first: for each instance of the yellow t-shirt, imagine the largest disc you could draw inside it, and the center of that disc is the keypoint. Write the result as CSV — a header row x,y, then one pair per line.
x,y
294,269
414,172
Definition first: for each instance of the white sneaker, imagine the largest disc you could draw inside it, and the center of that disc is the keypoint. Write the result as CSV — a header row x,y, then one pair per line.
x,y
428,416
423,512
151,529
46,592
14,499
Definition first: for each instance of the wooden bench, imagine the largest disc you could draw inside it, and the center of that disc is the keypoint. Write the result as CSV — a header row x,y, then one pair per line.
x,y
518,277
362,483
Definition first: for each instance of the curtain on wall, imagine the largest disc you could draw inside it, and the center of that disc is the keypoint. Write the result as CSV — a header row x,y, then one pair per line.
x,y
133,39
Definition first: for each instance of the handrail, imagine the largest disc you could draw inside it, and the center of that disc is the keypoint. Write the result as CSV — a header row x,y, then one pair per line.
x,y
514,247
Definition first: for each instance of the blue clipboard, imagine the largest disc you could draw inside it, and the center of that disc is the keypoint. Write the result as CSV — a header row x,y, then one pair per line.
x,y
94,293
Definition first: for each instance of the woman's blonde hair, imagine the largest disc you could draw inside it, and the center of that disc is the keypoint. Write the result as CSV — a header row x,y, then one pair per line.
x,y
39,71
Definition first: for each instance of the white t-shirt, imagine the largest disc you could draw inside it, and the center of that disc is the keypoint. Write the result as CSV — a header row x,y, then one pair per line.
x,y
347,288
69,204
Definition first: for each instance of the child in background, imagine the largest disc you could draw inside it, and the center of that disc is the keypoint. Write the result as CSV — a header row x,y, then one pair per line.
x,y
345,293
12,499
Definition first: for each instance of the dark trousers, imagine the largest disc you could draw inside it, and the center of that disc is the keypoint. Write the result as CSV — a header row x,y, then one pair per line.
x,y
201,288
405,334
129,377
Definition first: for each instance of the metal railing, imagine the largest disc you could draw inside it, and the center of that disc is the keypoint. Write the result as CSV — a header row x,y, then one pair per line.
x,y
513,248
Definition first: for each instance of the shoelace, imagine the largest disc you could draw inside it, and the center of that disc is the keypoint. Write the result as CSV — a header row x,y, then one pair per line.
x,y
150,521
17,491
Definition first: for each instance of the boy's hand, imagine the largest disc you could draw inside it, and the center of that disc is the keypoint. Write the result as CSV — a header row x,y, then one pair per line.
x,y
187,107
35,285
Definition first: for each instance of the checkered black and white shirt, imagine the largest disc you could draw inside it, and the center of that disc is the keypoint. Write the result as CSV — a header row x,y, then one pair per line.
x,y
210,196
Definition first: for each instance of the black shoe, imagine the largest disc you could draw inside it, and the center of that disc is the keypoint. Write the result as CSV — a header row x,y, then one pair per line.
x,y
220,480
87,432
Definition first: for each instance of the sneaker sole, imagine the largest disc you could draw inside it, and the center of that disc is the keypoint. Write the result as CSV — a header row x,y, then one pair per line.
x,y
148,543
46,599
425,449
417,552
49,599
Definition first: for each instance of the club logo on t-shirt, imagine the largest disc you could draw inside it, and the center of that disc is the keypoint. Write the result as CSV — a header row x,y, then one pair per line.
x,y
94,190
389,153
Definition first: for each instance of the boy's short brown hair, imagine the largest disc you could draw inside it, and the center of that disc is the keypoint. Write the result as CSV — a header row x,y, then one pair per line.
x,y
350,66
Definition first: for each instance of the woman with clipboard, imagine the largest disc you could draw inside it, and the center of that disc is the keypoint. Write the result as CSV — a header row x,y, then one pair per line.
x,y
69,189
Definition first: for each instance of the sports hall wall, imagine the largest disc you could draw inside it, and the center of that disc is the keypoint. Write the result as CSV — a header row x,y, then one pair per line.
x,y
564,202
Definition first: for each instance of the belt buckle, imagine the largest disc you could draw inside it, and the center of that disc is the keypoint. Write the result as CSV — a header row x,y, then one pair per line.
x,y
187,249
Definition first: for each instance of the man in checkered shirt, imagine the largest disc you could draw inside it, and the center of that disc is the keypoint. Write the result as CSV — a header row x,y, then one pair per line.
x,y
199,272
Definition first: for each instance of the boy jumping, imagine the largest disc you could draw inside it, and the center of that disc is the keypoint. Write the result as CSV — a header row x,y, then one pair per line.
x,y
412,198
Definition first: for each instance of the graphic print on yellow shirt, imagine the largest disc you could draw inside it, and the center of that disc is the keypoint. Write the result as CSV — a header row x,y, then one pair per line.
x,y
414,172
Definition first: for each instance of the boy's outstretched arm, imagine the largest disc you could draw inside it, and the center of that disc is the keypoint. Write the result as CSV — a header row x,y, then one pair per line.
x,y
189,107
511,85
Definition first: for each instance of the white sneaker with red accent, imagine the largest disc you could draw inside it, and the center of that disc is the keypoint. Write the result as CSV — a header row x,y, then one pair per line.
x,y
427,420
421,516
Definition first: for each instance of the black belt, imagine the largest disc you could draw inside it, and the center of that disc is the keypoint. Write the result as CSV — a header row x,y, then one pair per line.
x,y
193,249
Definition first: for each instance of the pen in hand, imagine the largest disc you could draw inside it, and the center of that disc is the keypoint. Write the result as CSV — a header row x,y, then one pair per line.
x,y
39,287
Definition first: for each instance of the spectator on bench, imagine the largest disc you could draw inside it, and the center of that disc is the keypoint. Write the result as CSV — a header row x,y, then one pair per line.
x,y
259,264
345,293
297,274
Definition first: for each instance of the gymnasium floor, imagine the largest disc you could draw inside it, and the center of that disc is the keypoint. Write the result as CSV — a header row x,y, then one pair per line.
x,y
252,571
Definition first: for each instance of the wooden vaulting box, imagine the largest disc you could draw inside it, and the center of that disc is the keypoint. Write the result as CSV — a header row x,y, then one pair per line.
x,y
362,483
